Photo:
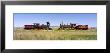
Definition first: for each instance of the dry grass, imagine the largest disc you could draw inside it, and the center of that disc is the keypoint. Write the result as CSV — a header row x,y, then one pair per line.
x,y
21,34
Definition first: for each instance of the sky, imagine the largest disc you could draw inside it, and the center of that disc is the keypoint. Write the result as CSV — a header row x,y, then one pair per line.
x,y
21,19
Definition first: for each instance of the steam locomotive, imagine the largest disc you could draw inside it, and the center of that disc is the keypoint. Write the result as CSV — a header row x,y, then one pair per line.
x,y
38,26
73,27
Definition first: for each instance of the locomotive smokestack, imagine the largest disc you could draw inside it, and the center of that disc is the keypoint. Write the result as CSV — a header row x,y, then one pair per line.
x,y
48,25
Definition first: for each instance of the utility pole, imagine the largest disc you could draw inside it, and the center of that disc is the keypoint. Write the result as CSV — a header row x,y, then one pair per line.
x,y
62,25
